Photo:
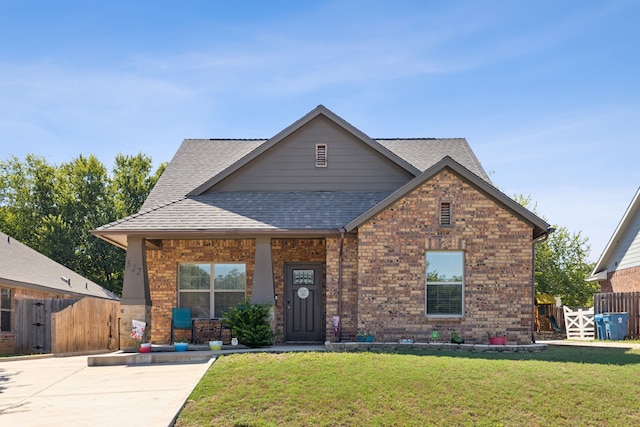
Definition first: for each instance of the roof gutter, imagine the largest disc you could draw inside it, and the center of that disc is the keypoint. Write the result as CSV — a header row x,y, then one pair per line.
x,y
176,234
339,326
602,275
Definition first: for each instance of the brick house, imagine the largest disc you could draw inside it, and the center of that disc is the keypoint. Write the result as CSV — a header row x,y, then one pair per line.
x,y
618,268
26,274
394,236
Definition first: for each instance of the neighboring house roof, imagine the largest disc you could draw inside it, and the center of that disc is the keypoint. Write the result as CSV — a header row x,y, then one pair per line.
x,y
623,249
540,226
22,266
182,202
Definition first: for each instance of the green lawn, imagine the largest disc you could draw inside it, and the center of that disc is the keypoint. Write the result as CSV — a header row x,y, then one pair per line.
x,y
563,386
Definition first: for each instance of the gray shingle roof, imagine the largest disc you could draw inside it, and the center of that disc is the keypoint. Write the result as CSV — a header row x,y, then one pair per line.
x,y
423,153
22,266
178,201
253,211
195,162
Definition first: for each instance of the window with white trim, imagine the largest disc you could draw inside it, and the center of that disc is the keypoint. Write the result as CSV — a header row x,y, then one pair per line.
x,y
210,289
5,310
444,293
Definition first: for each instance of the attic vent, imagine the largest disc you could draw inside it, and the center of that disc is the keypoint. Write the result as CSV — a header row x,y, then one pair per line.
x,y
321,155
445,213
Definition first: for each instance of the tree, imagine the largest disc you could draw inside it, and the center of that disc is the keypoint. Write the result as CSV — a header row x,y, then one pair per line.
x,y
53,208
26,196
561,266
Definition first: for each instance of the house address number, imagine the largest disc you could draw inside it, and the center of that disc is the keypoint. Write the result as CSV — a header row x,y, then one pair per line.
x,y
134,268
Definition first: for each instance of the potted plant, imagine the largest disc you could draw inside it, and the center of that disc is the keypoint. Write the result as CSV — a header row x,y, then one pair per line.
x,y
456,339
215,345
145,347
180,345
497,339
365,337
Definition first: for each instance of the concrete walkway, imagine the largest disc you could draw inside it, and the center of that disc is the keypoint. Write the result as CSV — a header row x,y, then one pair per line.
x,y
597,343
37,391
66,391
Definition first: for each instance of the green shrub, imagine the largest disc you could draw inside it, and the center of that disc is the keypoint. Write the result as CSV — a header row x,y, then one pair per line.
x,y
250,324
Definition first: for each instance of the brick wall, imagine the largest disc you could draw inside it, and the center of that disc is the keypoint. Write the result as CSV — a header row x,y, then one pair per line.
x,y
498,258
349,312
162,266
163,272
625,280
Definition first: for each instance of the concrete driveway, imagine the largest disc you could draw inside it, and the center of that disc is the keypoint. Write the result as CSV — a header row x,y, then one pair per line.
x,y
66,391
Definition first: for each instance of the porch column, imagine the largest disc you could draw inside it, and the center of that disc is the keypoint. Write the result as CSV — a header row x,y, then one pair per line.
x,y
136,297
263,290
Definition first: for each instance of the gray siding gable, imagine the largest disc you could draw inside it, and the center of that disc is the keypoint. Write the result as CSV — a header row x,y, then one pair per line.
x,y
623,249
628,250
319,111
290,164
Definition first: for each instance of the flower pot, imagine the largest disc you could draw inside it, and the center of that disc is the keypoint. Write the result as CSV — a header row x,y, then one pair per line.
x,y
180,346
365,338
215,345
145,347
498,340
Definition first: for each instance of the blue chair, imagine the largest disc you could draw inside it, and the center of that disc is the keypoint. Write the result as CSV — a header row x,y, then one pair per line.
x,y
181,319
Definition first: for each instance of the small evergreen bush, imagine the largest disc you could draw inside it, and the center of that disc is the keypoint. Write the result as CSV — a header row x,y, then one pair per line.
x,y
250,324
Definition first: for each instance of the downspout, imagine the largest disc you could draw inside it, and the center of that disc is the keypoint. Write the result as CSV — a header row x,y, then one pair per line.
x,y
342,230
540,239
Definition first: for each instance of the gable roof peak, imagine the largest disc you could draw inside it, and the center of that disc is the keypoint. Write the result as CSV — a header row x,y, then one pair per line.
x,y
617,235
540,226
280,136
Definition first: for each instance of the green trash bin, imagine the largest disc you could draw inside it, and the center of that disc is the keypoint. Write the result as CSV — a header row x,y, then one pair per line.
x,y
616,325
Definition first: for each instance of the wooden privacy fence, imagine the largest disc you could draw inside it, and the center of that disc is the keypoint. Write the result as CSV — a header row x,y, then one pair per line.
x,y
89,324
33,323
619,302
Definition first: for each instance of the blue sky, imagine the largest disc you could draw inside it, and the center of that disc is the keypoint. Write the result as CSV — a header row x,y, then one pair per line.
x,y
546,92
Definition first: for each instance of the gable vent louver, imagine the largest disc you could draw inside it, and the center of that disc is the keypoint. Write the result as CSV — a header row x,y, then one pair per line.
x,y
445,213
321,155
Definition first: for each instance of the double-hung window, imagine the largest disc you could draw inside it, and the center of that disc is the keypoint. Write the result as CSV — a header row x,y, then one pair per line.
x,y
5,310
445,284
211,289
